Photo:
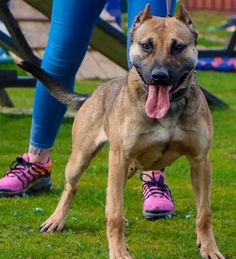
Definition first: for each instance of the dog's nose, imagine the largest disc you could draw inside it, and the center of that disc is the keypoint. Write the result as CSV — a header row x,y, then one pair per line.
x,y
160,76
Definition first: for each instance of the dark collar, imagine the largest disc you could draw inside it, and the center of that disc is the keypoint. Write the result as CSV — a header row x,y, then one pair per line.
x,y
181,93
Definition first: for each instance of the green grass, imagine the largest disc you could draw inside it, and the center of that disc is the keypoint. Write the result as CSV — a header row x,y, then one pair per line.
x,y
207,24
85,235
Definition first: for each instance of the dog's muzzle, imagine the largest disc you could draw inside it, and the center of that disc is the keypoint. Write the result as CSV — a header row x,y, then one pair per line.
x,y
175,94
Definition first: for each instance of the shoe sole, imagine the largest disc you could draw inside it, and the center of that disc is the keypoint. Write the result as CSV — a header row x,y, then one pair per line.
x,y
158,214
41,184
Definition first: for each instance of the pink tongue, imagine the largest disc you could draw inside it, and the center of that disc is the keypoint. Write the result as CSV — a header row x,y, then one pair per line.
x,y
158,101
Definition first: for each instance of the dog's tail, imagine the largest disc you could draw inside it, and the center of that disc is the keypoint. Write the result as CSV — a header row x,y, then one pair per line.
x,y
55,87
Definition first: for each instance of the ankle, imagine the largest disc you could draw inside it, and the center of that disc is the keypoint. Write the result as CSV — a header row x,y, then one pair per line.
x,y
148,174
37,155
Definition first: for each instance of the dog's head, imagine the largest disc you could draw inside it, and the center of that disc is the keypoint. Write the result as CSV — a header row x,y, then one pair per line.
x,y
163,51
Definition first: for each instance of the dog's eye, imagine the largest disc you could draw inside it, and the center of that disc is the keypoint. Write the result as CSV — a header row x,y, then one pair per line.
x,y
177,48
147,47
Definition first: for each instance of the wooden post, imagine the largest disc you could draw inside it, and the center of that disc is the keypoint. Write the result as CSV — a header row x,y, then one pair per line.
x,y
4,99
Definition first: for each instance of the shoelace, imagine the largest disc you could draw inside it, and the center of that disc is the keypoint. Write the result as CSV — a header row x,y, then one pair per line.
x,y
152,187
18,171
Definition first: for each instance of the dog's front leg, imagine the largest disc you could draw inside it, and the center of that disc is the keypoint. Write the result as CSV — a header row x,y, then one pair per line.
x,y
118,168
201,181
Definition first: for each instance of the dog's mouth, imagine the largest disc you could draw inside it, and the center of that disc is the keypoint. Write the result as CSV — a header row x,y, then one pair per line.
x,y
158,101
160,96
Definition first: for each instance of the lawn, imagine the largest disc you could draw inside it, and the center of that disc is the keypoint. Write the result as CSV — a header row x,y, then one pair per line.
x,y
85,233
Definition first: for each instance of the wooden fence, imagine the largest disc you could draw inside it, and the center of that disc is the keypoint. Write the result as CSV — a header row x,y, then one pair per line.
x,y
211,5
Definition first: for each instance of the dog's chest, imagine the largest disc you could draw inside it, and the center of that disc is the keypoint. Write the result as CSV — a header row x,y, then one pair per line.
x,y
156,146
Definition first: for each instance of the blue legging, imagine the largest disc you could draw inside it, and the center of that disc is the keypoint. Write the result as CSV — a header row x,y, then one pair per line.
x,y
72,23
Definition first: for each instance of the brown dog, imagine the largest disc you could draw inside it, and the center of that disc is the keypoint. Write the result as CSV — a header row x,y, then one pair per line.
x,y
151,118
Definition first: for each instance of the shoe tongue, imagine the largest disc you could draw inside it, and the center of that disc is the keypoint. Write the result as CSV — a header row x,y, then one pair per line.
x,y
161,180
25,156
19,167
159,177
158,101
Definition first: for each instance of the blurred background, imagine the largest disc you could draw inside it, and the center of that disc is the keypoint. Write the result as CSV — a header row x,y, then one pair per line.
x,y
106,56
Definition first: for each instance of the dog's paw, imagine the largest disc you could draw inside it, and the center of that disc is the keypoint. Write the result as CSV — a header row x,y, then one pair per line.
x,y
210,252
120,254
52,224
207,245
121,257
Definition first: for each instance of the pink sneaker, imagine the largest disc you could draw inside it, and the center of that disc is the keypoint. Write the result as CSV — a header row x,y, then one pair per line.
x,y
157,200
25,177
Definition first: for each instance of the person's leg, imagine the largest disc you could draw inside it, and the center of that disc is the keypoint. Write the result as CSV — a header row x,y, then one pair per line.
x,y
157,200
71,27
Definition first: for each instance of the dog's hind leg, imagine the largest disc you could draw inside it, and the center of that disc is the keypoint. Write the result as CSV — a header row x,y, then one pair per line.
x,y
201,181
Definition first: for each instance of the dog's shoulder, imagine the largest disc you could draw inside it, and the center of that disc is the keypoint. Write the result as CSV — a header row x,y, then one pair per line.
x,y
105,96
196,100
197,114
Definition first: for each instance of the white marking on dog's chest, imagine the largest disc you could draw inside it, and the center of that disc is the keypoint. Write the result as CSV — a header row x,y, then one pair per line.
x,y
160,135
167,129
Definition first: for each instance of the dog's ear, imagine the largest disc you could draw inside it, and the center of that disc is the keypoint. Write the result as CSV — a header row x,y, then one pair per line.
x,y
184,16
141,17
